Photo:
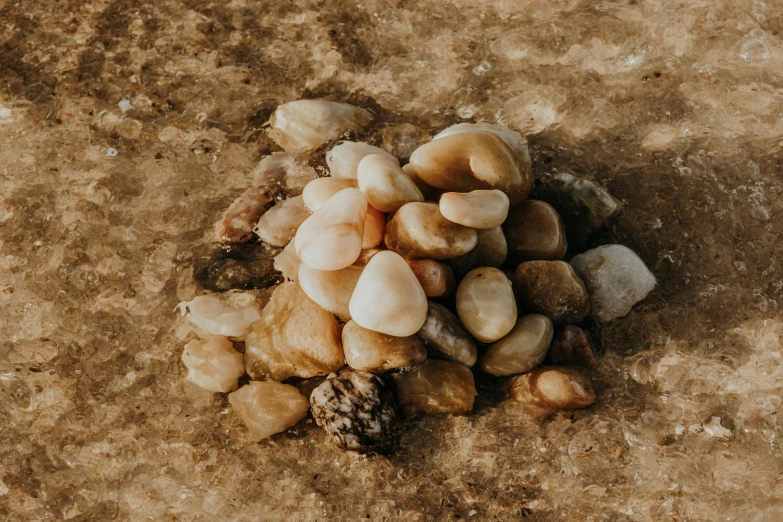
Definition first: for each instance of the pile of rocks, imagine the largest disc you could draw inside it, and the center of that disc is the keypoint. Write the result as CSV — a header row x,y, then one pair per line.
x,y
400,279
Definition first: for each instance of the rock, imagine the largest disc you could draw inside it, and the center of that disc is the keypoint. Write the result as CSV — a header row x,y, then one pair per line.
x,y
446,338
616,279
513,138
343,160
366,255
490,250
268,407
213,364
374,224
318,191
241,267
476,209
388,298
284,172
376,352
402,140
549,389
429,193
288,263
357,411
436,279
294,337
229,314
522,349
279,224
418,230
385,184
236,225
572,347
552,288
307,124
331,238
473,161
331,290
437,387
486,305
584,206
534,232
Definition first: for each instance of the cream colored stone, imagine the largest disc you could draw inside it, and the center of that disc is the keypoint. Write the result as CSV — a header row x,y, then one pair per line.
x,y
418,230
343,159
385,184
331,238
213,364
376,352
437,387
279,224
229,314
374,224
388,298
436,279
486,305
287,262
268,407
490,250
331,290
319,190
476,209
549,389
512,137
307,124
446,338
523,349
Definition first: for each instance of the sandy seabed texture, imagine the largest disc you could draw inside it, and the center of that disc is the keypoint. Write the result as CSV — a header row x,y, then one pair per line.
x,y
675,106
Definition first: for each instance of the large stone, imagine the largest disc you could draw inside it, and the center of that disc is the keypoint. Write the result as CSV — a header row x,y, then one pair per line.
x,y
419,231
376,352
268,407
616,279
490,250
549,389
385,184
436,279
279,224
552,288
213,364
437,387
522,349
486,304
512,137
473,161
332,289
534,232
446,338
307,124
343,160
476,209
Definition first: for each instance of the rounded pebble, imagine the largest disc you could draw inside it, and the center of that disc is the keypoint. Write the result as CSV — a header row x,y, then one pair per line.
x,y
446,338
476,209
268,407
331,290
213,364
279,224
418,230
319,190
376,352
549,389
303,125
343,159
374,224
436,279
572,347
490,250
486,305
437,387
385,184
534,232
552,288
522,349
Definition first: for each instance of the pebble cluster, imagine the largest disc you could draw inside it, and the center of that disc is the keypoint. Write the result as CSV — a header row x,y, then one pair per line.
x,y
401,281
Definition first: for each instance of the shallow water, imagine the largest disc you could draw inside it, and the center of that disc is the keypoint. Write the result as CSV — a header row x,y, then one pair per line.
x,y
673,106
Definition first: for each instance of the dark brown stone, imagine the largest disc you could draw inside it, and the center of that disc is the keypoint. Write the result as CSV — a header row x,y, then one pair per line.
x,y
552,288
572,347
534,232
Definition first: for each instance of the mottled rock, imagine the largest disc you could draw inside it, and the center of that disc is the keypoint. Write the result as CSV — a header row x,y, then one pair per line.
x,y
418,230
376,352
446,338
228,314
284,172
307,124
241,267
473,161
268,407
213,364
476,209
279,224
357,411
343,160
330,289
294,337
436,279
512,137
401,140
534,232
388,298
437,387
319,190
549,389
486,305
552,288
374,224
522,349
287,263
616,279
385,184
572,347
236,225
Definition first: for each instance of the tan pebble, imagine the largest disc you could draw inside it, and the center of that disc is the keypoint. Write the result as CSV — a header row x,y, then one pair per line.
x,y
512,137
376,352
268,407
331,238
534,232
552,288
473,161
418,230
486,305
236,225
307,124
437,387
374,224
366,255
437,279
285,172
445,337
343,160
287,262
549,389
388,298
522,349
572,347
279,224
331,290
385,184
476,209
319,190
490,250
213,364
294,338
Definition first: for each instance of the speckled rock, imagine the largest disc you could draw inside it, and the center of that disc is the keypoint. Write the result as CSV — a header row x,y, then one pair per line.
x,y
307,124
552,288
418,230
534,232
437,387
376,352
268,407
446,338
522,349
279,224
486,304
572,347
213,364
549,389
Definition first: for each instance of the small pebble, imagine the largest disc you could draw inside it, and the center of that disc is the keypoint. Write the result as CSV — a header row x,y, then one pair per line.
x,y
616,279
343,160
331,238
445,337
436,279
374,224
572,347
476,209
549,389
534,232
242,267
331,290
388,298
490,250
279,224
552,288
486,305
371,351
437,387
418,230
229,314
236,225
319,190
268,407
213,364
284,172
522,349
385,184
304,125
512,137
